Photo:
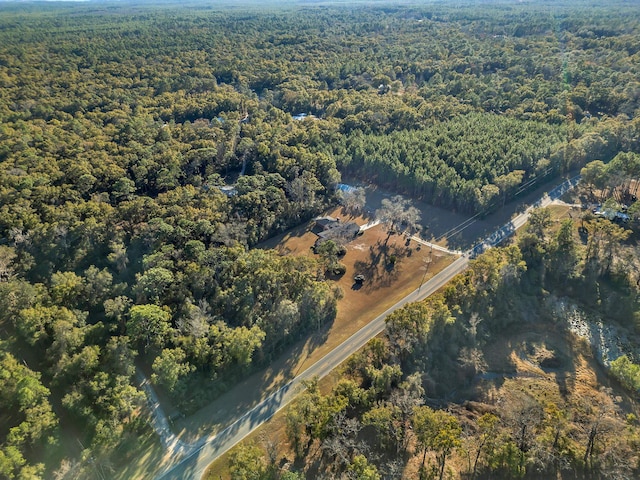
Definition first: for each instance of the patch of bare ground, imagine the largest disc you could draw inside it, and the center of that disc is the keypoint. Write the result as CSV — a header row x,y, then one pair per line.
x,y
542,358
539,360
543,361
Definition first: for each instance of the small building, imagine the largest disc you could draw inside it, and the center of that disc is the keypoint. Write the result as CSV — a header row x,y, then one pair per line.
x,y
329,228
324,223
343,187
303,116
229,190
612,215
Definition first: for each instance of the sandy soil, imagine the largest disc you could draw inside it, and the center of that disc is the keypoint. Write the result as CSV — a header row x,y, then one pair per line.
x,y
541,359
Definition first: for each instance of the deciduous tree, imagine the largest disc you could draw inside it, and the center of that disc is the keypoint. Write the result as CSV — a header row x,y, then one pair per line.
x,y
436,431
148,325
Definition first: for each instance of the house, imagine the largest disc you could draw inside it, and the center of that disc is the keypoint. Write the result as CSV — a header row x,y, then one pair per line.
x,y
303,116
229,190
324,223
329,228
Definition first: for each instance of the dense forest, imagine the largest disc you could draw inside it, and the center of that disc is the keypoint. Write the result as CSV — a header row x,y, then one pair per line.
x,y
145,150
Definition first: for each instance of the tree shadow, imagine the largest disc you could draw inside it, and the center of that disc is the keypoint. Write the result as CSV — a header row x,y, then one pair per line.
x,y
140,457
560,362
271,373
547,348
383,265
475,228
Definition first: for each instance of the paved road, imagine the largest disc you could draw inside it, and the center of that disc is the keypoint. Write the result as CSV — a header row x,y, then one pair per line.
x,y
193,466
205,451
509,228
435,246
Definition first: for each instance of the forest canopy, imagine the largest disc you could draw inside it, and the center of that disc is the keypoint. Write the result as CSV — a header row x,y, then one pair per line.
x,y
145,150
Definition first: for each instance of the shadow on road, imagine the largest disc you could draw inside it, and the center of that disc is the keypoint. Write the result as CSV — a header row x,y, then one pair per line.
x,y
273,373
379,270
462,232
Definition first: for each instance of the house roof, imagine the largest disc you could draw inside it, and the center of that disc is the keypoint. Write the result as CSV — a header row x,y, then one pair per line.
x,y
346,188
346,231
326,222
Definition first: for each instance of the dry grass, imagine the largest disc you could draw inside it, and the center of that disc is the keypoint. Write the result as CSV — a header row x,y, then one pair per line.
x,y
367,254
540,360
543,360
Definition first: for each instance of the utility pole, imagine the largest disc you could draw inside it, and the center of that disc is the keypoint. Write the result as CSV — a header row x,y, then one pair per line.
x,y
427,263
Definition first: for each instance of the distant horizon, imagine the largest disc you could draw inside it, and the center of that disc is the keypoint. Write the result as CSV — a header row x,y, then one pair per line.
x,y
271,3
210,3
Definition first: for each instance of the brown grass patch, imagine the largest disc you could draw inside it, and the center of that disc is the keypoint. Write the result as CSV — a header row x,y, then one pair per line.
x,y
271,433
542,359
385,285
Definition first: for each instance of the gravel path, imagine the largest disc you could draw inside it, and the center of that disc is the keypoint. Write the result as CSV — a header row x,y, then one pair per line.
x,y
160,423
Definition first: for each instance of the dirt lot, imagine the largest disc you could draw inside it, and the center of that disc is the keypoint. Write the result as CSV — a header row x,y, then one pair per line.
x,y
544,357
369,255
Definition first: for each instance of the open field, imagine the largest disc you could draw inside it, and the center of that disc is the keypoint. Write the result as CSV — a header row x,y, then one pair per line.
x,y
369,254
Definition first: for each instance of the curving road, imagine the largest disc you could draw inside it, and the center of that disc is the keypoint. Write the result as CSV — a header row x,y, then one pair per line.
x,y
208,449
